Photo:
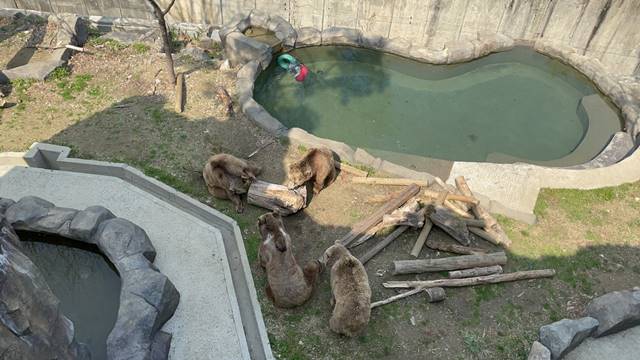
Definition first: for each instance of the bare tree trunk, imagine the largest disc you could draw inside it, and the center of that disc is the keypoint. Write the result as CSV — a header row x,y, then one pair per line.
x,y
159,15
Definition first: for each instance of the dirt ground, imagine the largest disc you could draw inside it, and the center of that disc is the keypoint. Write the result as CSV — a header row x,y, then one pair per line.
x,y
114,103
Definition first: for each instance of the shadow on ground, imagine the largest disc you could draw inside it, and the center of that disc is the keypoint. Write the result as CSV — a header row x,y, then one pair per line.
x,y
487,322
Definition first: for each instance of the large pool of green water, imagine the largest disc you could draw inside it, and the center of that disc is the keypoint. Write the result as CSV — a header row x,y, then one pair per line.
x,y
85,282
511,106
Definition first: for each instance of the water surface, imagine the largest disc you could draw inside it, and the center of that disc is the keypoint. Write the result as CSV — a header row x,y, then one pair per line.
x,y
517,103
84,281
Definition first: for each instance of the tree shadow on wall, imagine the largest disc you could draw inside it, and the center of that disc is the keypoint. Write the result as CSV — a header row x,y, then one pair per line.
x,y
171,147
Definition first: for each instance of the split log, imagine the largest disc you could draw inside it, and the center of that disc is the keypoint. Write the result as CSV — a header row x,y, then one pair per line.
x,y
180,90
435,294
426,229
481,271
480,280
367,235
451,224
453,190
225,99
493,228
364,225
478,223
435,194
382,244
388,181
458,211
351,170
410,214
485,235
276,197
449,263
441,245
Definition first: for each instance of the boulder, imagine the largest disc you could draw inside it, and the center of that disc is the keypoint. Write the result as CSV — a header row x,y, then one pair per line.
x,y
86,222
240,49
460,51
38,70
562,336
308,36
339,35
4,204
195,53
539,352
32,327
36,214
119,238
618,148
615,311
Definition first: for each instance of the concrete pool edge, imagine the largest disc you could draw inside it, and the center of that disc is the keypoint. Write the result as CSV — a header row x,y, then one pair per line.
x,y
251,325
514,197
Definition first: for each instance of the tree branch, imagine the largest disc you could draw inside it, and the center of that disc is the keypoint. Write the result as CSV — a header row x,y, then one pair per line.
x,y
169,7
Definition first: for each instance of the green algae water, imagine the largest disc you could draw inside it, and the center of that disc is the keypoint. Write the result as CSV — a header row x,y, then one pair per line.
x,y
512,106
84,281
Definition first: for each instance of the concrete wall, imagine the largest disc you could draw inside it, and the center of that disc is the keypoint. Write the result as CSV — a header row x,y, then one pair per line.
x,y
605,29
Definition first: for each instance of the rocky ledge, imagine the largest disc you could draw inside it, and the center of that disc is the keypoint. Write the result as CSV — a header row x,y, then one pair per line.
x,y
147,297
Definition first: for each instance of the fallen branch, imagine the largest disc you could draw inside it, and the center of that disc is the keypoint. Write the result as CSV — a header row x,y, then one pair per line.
x,y
351,170
449,263
426,229
260,148
480,271
364,225
483,234
433,295
225,99
460,212
76,48
454,248
492,227
180,90
388,181
410,214
480,280
382,244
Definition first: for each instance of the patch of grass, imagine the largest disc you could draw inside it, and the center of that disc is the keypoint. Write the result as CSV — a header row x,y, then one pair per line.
x,y
69,88
302,148
156,114
61,72
21,87
579,204
109,44
141,48
486,293
95,91
252,247
473,342
287,348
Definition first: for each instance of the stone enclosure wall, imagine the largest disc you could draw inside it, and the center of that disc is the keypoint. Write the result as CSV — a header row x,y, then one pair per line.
x,y
608,30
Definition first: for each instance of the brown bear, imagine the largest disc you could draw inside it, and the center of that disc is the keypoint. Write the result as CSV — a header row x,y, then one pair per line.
x,y
287,284
317,164
351,294
228,177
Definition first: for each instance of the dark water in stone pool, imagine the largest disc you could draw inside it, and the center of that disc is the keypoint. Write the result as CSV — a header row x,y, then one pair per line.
x,y
85,282
518,103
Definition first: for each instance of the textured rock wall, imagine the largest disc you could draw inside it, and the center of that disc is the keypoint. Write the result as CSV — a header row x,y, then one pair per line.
x,y
608,30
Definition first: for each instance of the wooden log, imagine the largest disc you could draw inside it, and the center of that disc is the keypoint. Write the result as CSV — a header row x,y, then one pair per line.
x,y
382,244
478,223
449,263
440,245
451,224
410,214
426,229
180,90
481,271
366,236
396,297
435,194
435,294
458,211
485,235
479,280
452,190
276,197
351,170
225,99
388,181
364,225
493,228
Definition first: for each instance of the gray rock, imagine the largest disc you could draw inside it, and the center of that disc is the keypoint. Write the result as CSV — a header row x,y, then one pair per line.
x,y
160,346
126,38
155,289
615,311
130,337
460,51
37,70
35,214
308,36
32,327
340,35
257,113
562,336
258,18
396,46
195,53
70,29
539,352
86,222
618,148
240,49
119,238
4,204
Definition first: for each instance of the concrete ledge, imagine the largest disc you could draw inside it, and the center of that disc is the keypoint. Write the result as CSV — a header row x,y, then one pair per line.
x,y
55,157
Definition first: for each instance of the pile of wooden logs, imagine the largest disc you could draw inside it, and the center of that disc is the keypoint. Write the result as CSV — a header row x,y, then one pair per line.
x,y
457,212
